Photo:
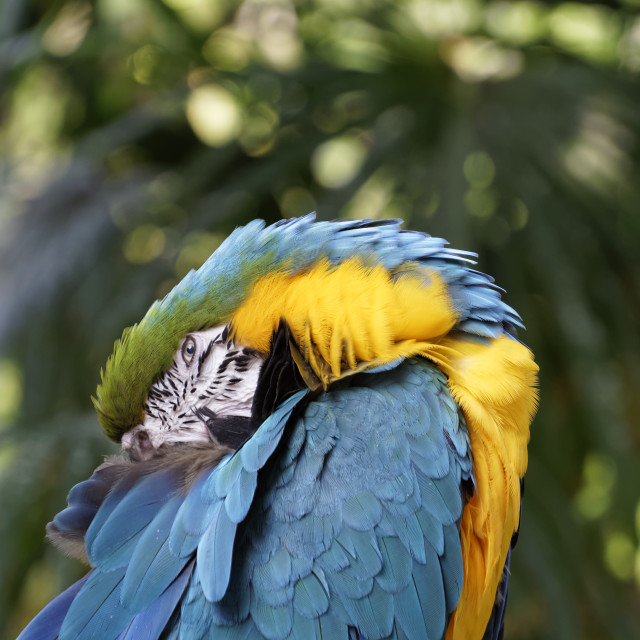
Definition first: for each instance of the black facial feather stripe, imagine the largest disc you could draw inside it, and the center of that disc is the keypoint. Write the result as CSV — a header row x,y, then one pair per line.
x,y
224,364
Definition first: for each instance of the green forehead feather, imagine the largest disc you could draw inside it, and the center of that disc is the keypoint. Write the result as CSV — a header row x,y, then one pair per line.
x,y
209,296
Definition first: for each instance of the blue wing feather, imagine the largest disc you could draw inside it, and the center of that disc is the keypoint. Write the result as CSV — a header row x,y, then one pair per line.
x,y
215,552
397,563
152,567
429,584
193,518
112,537
238,500
311,598
151,622
84,500
409,612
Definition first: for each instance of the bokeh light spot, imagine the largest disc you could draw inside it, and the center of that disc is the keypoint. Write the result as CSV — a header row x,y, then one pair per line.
x,y
432,205
200,15
518,215
69,28
273,28
629,46
228,49
373,198
127,14
356,44
144,62
478,169
296,201
619,555
144,244
517,23
337,162
31,132
599,475
479,59
214,115
598,155
481,203
260,124
592,32
439,18
11,386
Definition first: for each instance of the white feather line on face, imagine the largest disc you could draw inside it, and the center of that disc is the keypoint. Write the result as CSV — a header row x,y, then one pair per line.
x,y
209,372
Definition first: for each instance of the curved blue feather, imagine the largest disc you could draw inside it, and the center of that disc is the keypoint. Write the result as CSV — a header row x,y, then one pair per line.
x,y
152,567
114,532
83,501
234,484
311,597
231,483
215,552
240,496
260,446
151,622
193,517
96,611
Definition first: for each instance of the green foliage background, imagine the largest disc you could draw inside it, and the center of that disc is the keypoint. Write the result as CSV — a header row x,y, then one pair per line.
x,y
135,134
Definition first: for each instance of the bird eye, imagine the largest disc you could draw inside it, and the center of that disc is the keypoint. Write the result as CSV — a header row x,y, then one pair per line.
x,y
188,350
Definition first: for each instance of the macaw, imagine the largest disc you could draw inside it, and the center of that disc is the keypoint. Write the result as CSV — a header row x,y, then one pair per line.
x,y
325,432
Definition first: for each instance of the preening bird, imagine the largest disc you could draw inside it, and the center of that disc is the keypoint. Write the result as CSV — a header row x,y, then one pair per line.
x,y
325,433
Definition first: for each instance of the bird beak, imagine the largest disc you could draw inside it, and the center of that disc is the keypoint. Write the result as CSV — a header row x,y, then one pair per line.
x,y
138,444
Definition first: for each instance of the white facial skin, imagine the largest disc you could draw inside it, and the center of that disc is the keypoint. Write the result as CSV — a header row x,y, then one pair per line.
x,y
211,375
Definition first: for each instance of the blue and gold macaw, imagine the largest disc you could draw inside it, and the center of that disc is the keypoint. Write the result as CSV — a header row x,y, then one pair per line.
x,y
326,428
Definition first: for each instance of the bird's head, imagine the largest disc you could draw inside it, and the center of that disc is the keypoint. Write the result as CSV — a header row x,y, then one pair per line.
x,y
342,297
206,395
